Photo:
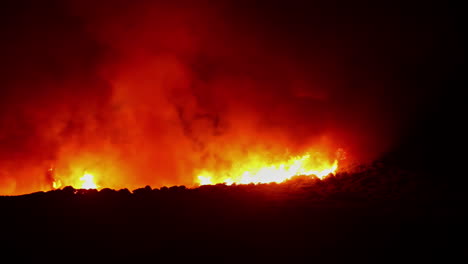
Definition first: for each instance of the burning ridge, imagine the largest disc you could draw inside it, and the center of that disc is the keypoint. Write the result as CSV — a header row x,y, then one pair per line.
x,y
375,180
374,212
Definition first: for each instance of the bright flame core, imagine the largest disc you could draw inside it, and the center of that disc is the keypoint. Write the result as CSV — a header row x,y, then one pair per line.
x,y
88,182
261,171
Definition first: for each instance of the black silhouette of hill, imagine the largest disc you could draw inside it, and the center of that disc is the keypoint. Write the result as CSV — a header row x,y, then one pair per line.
x,y
373,214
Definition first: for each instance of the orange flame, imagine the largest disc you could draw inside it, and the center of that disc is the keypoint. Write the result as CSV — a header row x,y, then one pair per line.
x,y
87,181
257,167
258,170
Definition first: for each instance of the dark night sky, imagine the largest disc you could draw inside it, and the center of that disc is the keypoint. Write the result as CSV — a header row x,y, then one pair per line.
x,y
159,87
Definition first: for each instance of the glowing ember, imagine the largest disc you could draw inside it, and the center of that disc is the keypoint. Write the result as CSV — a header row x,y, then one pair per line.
x,y
88,182
260,171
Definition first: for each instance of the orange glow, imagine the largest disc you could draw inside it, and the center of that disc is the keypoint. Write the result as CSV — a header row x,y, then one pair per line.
x,y
259,170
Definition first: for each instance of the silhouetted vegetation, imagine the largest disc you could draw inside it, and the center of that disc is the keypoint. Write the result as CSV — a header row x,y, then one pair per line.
x,y
371,214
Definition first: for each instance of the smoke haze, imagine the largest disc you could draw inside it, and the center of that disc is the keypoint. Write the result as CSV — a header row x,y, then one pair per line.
x,y
148,92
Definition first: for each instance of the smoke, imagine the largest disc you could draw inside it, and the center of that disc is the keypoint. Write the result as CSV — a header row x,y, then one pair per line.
x,y
142,92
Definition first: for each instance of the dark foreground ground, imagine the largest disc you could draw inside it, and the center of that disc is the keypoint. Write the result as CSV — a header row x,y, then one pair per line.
x,y
373,215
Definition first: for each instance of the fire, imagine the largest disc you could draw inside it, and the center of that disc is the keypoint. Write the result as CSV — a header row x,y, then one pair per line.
x,y
88,182
258,170
205,180
254,166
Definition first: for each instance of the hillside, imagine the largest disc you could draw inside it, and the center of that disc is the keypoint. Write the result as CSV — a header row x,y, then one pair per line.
x,y
372,215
